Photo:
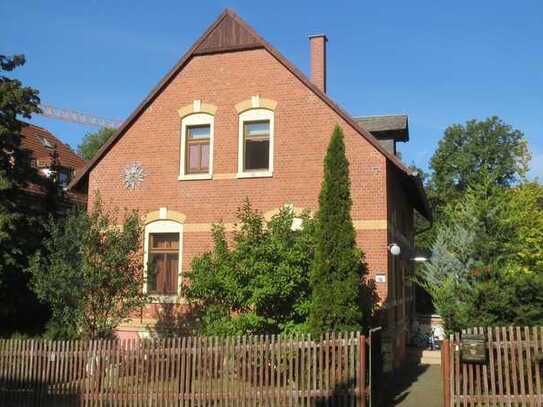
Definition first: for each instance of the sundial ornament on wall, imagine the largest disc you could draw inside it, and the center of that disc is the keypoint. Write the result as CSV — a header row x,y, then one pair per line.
x,y
133,175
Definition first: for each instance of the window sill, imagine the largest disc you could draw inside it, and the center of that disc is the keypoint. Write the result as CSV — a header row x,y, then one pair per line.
x,y
255,174
194,177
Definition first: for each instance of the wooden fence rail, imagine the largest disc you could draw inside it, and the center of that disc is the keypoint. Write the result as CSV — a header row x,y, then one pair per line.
x,y
511,376
191,371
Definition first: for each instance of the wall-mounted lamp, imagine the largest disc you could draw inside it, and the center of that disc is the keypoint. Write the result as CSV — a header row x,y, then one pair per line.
x,y
394,249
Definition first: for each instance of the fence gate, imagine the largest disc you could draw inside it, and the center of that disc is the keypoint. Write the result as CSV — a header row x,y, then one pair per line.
x,y
500,366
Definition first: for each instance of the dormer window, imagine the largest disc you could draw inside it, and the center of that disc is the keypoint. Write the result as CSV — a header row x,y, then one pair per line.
x,y
46,143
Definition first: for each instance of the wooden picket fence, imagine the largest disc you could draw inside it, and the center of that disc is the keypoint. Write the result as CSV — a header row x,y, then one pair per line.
x,y
512,375
190,371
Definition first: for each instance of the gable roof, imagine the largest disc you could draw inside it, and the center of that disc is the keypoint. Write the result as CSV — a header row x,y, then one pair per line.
x,y
40,143
230,33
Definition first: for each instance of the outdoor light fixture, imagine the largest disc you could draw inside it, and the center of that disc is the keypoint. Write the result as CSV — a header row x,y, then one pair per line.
x,y
419,255
394,249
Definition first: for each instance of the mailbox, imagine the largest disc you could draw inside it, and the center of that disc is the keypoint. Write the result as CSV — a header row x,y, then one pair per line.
x,y
473,349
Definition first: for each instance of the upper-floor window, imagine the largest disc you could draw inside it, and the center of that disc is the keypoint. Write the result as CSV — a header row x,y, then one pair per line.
x,y
256,146
196,146
255,157
197,149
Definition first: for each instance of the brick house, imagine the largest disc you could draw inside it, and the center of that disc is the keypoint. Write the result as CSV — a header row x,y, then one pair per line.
x,y
235,119
39,146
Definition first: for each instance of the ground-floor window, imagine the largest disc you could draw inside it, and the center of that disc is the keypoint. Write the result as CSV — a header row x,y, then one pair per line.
x,y
163,257
163,264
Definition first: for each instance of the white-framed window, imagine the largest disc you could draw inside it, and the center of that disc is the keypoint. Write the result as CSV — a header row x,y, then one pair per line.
x,y
196,147
163,260
255,143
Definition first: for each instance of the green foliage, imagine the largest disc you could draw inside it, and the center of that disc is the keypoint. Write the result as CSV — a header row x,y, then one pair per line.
x,y
20,230
525,213
467,152
338,270
16,100
261,283
90,272
482,210
447,278
92,142
508,299
486,260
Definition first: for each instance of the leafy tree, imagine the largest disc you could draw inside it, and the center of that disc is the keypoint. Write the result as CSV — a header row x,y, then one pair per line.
x,y
20,230
17,100
486,261
92,142
91,271
261,283
338,269
525,214
467,152
483,210
508,299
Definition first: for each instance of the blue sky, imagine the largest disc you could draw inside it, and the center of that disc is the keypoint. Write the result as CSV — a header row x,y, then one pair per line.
x,y
439,62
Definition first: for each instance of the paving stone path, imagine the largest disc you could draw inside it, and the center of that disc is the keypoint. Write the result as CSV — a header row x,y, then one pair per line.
x,y
416,386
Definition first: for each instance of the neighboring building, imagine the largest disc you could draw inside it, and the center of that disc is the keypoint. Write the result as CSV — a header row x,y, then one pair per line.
x,y
40,147
235,119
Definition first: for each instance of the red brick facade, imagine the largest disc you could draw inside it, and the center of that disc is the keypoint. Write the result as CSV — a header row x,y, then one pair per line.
x,y
303,126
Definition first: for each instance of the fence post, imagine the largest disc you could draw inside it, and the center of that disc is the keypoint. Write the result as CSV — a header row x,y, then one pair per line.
x,y
446,372
362,370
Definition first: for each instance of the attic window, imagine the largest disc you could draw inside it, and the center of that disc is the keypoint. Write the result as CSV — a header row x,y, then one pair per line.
x,y
46,143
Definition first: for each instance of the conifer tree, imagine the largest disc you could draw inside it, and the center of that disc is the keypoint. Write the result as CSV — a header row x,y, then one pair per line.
x,y
337,275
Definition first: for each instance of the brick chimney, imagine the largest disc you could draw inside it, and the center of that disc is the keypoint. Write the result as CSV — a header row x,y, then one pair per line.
x,y
317,44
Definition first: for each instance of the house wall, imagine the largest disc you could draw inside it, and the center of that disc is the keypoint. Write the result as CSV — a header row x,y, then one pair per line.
x,y
398,307
303,125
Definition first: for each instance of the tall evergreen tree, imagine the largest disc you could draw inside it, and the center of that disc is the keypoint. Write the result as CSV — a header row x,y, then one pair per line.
x,y
338,270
